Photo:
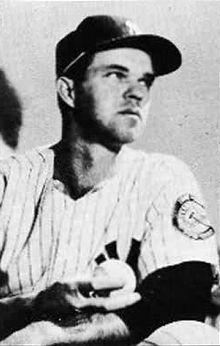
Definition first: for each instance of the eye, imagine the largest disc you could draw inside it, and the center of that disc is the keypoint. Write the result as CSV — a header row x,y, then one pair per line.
x,y
115,75
147,81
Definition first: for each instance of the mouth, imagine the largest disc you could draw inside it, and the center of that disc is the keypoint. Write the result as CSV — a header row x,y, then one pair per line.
x,y
130,111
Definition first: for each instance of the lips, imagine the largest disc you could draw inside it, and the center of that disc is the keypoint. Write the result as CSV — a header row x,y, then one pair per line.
x,y
130,111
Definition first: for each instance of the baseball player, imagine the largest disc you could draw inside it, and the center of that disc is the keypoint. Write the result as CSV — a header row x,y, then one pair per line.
x,y
91,202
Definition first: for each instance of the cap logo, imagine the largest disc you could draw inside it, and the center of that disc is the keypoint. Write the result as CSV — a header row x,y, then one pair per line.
x,y
133,29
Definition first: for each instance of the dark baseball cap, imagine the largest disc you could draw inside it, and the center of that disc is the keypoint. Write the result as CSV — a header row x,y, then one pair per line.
x,y
102,32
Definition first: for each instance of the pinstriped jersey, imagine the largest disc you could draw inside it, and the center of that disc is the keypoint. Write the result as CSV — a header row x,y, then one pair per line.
x,y
149,214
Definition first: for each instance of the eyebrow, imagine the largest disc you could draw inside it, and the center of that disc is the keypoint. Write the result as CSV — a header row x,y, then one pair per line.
x,y
123,68
117,67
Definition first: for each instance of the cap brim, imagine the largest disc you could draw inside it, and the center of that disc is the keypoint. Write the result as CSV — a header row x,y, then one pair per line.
x,y
165,56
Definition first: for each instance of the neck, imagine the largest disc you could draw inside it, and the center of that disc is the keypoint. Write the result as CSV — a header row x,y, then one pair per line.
x,y
81,165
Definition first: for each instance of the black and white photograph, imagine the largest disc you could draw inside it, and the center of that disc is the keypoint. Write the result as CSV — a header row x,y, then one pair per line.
x,y
110,173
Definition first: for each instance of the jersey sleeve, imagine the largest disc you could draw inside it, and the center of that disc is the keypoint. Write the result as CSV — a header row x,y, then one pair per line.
x,y
177,228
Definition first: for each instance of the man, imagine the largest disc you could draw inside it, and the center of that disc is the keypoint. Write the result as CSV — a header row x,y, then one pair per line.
x,y
68,210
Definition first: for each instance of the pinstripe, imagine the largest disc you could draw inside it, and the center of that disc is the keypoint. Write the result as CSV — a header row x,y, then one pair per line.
x,y
96,216
56,252
10,192
50,226
9,213
30,264
69,241
19,216
134,219
123,218
124,188
149,255
46,236
40,235
143,269
2,188
102,217
63,234
41,247
80,247
56,204
165,245
24,275
152,215
43,173
87,232
19,278
35,257
37,162
149,258
155,236
23,218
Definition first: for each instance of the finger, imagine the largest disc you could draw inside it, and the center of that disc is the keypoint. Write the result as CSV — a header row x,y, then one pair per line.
x,y
78,301
118,292
86,285
110,303
121,301
104,282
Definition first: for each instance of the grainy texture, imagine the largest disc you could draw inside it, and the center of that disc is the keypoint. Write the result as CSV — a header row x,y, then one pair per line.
x,y
185,108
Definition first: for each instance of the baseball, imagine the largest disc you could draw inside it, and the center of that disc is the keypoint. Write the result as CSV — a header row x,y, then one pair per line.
x,y
183,333
118,274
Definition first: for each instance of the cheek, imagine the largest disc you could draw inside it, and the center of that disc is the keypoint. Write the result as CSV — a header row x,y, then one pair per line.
x,y
145,109
100,99
107,98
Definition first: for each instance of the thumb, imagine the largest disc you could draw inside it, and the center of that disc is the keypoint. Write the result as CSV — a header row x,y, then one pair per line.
x,y
121,301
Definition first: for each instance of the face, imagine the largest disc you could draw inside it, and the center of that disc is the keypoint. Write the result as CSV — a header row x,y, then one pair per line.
x,y
113,98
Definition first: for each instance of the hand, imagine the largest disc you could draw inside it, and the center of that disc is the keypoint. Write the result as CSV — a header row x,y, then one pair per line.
x,y
110,303
68,299
75,306
109,288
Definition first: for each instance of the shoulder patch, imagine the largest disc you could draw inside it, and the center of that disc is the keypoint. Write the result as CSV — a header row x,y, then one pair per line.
x,y
191,219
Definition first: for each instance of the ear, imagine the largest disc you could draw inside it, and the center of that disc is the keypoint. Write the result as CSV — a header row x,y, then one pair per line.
x,y
65,88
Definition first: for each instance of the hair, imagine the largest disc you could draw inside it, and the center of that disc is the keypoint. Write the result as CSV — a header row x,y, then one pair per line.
x,y
10,112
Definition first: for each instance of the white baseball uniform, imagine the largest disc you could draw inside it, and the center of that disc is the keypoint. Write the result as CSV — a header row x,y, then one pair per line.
x,y
149,213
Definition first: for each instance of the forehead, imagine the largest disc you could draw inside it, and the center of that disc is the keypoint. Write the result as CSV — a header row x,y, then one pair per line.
x,y
131,58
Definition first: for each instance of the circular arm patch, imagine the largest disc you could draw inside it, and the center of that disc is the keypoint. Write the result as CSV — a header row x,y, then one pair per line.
x,y
191,219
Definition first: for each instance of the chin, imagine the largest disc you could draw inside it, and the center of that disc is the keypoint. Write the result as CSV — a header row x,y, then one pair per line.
x,y
130,135
115,141
116,136
128,139
122,140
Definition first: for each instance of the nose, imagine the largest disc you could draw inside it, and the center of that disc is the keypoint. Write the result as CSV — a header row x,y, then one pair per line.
x,y
137,92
